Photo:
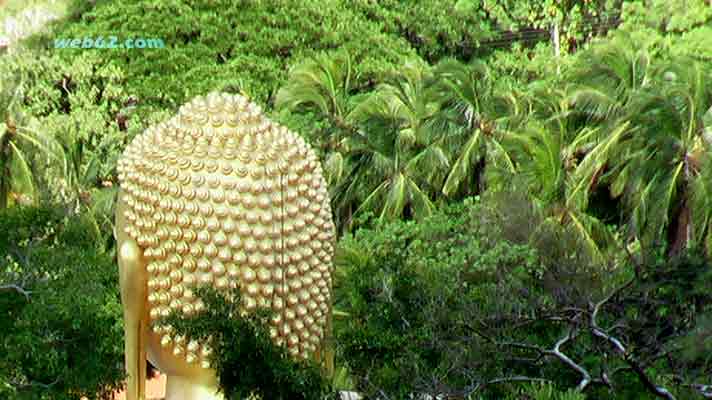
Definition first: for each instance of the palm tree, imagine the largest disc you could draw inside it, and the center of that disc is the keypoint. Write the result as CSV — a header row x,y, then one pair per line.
x,y
17,182
472,123
395,165
609,80
78,165
323,84
557,182
666,158
15,173
655,164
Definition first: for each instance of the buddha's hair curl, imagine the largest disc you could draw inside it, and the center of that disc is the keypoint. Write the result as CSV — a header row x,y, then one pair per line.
x,y
220,195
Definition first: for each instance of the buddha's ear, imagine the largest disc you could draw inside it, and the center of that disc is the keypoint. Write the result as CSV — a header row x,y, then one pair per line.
x,y
133,298
133,284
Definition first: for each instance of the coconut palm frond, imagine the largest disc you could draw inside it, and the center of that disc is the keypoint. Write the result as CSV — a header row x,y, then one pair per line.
x,y
322,82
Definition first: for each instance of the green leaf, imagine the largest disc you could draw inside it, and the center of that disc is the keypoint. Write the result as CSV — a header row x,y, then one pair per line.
x,y
461,170
620,182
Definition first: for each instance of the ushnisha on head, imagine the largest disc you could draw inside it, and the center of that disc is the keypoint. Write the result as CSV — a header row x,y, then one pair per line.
x,y
219,195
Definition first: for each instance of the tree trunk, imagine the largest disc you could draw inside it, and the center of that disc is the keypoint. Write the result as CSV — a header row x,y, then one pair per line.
x,y
5,159
480,168
680,229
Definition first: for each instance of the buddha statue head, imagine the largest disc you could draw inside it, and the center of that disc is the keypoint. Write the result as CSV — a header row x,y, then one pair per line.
x,y
221,196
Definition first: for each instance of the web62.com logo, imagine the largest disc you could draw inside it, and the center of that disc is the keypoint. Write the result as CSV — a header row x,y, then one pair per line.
x,y
111,42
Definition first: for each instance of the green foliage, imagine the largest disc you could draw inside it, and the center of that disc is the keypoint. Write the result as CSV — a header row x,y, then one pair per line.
x,y
466,28
246,360
448,306
670,30
666,17
521,64
379,153
666,311
322,90
546,392
243,46
87,104
436,29
76,110
618,132
679,286
397,163
410,291
476,111
575,19
17,180
62,330
654,117
323,82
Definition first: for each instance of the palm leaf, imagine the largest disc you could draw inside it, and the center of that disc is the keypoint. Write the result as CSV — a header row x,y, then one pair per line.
x,y
584,228
595,160
620,182
22,177
322,82
395,199
370,202
462,167
334,167
422,206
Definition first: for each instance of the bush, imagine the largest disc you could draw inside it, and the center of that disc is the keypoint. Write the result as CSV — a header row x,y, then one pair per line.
x,y
60,306
413,292
78,109
237,46
435,28
546,392
247,362
454,306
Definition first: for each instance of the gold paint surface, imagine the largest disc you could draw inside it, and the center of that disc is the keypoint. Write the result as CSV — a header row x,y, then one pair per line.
x,y
220,195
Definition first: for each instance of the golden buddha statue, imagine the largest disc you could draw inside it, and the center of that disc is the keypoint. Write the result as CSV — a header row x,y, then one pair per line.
x,y
219,195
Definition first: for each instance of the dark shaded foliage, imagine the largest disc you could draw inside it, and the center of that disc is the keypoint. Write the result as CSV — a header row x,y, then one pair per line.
x,y
61,316
245,358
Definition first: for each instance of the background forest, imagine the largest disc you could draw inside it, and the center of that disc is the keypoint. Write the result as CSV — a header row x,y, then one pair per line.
x,y
522,190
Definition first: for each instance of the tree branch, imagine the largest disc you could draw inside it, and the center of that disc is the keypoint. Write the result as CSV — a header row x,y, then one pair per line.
x,y
621,349
21,386
586,378
16,288
704,390
585,375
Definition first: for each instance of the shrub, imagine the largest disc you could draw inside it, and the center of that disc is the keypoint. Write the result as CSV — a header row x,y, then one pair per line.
x,y
411,292
451,306
60,307
546,392
435,28
247,362
78,108
228,45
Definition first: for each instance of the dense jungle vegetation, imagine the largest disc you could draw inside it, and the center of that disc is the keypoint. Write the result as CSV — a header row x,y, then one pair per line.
x,y
522,190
